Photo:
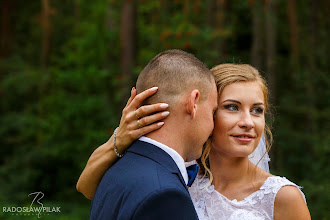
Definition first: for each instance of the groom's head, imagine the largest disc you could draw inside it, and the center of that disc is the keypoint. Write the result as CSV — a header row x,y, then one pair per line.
x,y
174,72
188,86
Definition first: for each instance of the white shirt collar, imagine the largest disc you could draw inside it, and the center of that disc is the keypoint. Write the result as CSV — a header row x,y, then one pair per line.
x,y
175,156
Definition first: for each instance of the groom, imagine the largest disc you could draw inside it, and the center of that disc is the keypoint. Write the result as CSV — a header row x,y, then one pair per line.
x,y
150,181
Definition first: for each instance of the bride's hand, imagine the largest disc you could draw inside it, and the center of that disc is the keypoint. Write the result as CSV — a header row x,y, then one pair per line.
x,y
137,121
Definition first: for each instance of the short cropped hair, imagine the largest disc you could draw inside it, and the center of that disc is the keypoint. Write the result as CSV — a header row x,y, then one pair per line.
x,y
174,72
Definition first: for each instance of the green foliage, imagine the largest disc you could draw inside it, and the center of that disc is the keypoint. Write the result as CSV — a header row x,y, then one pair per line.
x,y
53,116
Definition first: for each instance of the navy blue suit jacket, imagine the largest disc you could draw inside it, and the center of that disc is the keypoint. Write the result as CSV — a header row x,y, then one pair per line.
x,y
145,184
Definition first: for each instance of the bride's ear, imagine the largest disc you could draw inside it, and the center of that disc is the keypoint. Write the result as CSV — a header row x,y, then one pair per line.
x,y
192,103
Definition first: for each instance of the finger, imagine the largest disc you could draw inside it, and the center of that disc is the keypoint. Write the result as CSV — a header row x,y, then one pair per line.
x,y
147,129
133,94
151,109
147,110
145,121
142,96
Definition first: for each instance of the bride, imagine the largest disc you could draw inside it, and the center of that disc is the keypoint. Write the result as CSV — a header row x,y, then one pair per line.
x,y
230,183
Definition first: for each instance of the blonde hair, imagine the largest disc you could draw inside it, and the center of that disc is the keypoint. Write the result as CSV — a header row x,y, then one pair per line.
x,y
226,74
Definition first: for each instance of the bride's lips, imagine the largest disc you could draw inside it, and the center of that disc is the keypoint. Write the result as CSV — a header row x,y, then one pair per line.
x,y
243,138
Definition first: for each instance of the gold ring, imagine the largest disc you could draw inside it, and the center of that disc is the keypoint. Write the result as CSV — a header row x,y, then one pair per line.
x,y
135,113
139,124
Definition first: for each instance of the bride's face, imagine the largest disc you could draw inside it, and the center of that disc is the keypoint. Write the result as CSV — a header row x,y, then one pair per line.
x,y
239,120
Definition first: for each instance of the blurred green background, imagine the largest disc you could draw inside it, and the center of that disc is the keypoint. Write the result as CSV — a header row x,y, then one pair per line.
x,y
67,67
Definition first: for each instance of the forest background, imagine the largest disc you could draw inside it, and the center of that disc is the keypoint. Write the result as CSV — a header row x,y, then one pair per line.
x,y
67,67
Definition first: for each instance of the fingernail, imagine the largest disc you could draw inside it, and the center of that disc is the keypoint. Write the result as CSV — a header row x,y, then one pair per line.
x,y
164,105
160,123
165,113
153,89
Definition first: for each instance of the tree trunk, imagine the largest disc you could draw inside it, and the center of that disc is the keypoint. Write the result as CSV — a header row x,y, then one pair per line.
x,y
109,25
127,37
256,49
313,30
271,48
215,18
224,6
270,40
46,27
45,52
221,18
211,11
5,38
164,5
76,10
186,9
294,36
128,44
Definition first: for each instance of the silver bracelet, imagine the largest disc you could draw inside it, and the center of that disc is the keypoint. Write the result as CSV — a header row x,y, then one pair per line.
x,y
114,145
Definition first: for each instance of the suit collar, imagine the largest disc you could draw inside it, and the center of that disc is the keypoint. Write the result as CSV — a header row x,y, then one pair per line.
x,y
158,155
174,155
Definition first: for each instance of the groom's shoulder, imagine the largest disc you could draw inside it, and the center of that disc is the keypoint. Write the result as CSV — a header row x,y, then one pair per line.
x,y
141,171
146,157
138,180
143,163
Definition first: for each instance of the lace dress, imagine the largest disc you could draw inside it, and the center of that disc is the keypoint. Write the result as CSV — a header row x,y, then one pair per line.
x,y
211,205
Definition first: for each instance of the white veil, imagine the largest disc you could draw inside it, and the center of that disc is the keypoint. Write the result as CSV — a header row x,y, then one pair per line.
x,y
257,154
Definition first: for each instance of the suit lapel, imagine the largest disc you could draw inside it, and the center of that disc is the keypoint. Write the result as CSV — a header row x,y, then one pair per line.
x,y
158,155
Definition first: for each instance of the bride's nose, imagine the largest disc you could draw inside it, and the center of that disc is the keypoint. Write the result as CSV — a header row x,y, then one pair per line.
x,y
246,121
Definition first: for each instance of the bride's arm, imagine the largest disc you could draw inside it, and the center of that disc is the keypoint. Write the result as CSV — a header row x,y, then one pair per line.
x,y
128,131
100,160
290,205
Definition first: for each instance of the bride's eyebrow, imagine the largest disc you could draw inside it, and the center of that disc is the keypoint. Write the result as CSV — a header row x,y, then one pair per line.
x,y
259,103
231,100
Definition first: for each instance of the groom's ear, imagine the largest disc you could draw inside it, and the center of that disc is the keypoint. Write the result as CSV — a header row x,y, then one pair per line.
x,y
192,103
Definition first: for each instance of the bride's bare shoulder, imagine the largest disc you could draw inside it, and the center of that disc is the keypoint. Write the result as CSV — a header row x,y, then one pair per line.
x,y
290,204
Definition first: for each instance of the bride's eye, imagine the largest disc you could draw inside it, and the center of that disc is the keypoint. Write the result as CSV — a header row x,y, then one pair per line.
x,y
257,111
231,107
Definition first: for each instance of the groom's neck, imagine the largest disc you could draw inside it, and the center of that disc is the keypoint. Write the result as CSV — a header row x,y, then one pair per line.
x,y
170,138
